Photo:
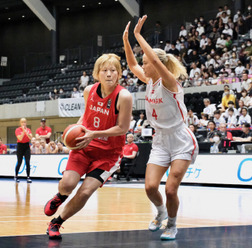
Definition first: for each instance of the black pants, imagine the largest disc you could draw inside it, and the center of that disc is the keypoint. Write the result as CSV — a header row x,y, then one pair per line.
x,y
23,150
122,165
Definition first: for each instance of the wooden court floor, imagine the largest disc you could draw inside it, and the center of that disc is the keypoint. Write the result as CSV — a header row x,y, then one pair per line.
x,y
119,207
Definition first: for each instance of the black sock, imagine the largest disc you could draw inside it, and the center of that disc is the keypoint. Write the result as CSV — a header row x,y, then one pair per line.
x,y
58,220
62,197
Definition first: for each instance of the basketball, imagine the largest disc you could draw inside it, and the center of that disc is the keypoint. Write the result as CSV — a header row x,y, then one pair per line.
x,y
70,134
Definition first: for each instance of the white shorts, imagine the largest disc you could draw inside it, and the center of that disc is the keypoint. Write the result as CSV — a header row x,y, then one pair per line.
x,y
169,145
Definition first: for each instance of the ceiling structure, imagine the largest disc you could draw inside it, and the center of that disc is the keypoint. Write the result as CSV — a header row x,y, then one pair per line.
x,y
12,11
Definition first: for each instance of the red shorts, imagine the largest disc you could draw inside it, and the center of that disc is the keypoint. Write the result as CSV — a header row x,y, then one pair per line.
x,y
86,160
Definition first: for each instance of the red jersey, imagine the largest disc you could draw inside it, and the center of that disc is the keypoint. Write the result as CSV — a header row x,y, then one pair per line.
x,y
100,114
128,149
3,148
25,139
44,131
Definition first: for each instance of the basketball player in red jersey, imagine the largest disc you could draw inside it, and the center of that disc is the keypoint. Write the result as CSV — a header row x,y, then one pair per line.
x,y
174,145
106,120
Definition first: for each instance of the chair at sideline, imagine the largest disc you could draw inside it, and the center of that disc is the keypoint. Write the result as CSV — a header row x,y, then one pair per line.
x,y
131,166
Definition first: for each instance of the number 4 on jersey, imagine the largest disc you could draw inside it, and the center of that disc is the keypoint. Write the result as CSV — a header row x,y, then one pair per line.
x,y
154,114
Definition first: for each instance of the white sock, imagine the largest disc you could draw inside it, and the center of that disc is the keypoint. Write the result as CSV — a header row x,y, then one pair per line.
x,y
161,208
171,221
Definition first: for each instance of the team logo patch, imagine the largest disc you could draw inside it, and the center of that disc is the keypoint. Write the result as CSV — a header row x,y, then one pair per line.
x,y
100,104
109,104
153,91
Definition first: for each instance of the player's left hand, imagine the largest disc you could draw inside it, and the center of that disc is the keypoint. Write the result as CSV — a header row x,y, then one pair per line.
x,y
126,32
139,25
85,139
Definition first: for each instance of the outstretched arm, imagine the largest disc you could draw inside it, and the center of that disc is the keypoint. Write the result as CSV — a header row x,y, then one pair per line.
x,y
169,81
131,60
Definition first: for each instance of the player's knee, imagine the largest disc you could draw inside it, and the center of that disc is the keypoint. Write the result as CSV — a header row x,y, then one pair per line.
x,y
151,188
84,193
170,192
66,187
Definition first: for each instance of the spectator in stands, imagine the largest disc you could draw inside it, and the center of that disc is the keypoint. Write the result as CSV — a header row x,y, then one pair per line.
x,y
244,118
191,118
232,120
248,49
209,108
167,46
211,131
61,93
239,69
226,98
214,35
224,17
129,153
132,124
217,141
194,70
241,26
178,44
246,134
203,41
43,131
203,121
140,122
84,80
231,105
245,98
183,31
194,57
218,119
43,146
233,61
32,147
231,24
174,50
241,105
54,95
200,28
248,18
227,10
220,10
52,147
246,83
37,147
75,93
236,16
157,33
61,148
124,72
221,41
3,147
227,30
198,136
224,133
229,42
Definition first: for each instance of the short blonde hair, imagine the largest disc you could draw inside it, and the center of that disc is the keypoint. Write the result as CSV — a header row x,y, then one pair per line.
x,y
109,58
171,62
23,119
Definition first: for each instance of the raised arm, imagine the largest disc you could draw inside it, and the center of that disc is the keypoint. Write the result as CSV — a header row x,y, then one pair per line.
x,y
168,79
131,60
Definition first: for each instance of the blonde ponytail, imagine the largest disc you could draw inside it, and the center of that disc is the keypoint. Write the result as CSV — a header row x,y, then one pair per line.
x,y
171,62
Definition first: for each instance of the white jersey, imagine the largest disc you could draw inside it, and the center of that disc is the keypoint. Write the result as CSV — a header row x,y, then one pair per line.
x,y
164,109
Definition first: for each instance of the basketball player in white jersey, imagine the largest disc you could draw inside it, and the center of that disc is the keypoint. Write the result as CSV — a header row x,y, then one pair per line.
x,y
174,145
